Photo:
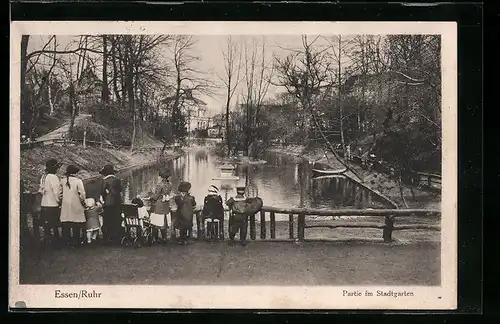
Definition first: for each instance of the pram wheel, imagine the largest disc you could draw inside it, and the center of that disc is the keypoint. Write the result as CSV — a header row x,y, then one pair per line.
x,y
125,241
137,242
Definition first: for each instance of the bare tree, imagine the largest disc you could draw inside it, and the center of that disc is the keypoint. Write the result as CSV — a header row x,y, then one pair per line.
x,y
308,74
258,72
231,79
189,82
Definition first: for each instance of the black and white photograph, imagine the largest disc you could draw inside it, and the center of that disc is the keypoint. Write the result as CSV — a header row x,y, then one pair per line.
x,y
233,165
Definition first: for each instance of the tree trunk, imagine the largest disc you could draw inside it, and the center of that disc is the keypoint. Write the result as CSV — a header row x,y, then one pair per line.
x,y
341,109
129,72
49,94
115,70
24,63
72,106
228,137
105,88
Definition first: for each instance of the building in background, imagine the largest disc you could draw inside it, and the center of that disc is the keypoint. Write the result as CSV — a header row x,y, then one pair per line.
x,y
200,122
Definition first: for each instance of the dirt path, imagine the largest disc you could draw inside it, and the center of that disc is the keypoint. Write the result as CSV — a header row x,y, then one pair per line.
x,y
259,263
63,130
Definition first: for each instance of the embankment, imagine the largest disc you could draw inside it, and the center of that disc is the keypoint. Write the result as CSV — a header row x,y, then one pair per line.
x,y
90,160
379,182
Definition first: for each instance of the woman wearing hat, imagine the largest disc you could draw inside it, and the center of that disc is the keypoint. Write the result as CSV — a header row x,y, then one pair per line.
x,y
161,216
111,196
72,208
51,190
185,211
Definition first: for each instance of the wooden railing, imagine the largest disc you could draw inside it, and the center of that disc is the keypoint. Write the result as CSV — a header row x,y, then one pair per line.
x,y
296,221
267,217
430,179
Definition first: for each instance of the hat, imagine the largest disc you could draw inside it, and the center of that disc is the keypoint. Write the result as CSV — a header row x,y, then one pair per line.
x,y
137,201
165,173
213,190
184,186
52,164
108,169
72,169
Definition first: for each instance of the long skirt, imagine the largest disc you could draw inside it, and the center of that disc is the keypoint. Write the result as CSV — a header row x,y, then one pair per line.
x,y
112,222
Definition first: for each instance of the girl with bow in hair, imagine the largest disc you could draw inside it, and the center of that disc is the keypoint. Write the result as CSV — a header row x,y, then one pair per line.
x,y
213,213
72,208
51,194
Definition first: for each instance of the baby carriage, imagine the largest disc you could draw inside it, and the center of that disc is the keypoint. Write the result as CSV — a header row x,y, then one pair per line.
x,y
137,227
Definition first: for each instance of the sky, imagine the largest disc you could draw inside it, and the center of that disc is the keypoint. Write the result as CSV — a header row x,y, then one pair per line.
x,y
209,48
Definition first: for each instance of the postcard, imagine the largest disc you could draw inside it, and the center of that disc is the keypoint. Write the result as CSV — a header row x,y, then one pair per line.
x,y
250,165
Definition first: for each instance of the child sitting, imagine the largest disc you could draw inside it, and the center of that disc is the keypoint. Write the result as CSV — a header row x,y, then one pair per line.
x,y
185,211
213,213
92,212
142,211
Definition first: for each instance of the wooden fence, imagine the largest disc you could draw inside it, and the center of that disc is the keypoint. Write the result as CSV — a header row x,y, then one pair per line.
x,y
296,221
430,180
267,216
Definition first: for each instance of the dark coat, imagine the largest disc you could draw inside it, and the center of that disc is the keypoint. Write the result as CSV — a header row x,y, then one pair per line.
x,y
111,191
213,207
185,210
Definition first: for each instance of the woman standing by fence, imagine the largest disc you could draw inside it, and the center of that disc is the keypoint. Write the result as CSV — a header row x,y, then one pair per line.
x,y
72,208
111,196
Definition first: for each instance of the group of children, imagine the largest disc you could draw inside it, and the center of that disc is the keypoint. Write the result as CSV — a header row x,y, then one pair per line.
x,y
65,202
168,213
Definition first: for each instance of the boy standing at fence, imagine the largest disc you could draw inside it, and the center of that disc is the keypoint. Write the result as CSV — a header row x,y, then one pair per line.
x,y
185,211
238,220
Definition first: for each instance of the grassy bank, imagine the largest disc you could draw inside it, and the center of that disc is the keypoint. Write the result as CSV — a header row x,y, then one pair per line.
x,y
90,160
380,182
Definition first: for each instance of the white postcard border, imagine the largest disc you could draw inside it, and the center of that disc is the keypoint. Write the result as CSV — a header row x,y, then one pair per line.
x,y
256,297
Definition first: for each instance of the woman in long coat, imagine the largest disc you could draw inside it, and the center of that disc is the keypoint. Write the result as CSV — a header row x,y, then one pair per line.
x,y
72,207
111,196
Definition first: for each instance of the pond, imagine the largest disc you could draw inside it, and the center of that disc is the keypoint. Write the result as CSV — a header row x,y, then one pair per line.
x,y
282,181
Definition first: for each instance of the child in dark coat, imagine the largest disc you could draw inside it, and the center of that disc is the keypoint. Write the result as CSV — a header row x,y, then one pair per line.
x,y
213,212
238,221
185,211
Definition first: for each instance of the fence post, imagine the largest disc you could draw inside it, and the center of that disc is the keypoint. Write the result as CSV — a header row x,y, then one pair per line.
x,y
301,226
262,225
389,225
252,227
273,225
290,226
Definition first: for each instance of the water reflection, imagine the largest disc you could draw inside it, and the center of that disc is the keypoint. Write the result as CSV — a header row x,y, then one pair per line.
x,y
281,182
